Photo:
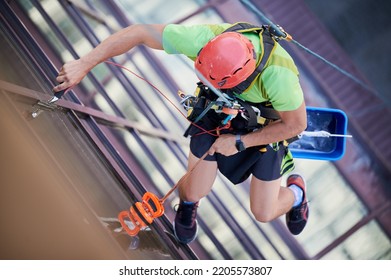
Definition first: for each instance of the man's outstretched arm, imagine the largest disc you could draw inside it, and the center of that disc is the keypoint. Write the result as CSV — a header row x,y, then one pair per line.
x,y
118,43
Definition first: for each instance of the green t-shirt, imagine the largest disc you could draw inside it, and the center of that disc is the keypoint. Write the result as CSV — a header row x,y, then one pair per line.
x,y
279,81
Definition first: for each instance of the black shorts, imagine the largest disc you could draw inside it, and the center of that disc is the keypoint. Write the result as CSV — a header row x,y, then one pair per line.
x,y
266,163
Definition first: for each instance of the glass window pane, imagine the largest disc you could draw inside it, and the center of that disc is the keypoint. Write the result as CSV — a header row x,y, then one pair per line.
x,y
368,243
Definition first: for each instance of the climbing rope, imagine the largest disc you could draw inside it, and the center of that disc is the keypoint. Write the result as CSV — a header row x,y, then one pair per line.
x,y
322,133
284,35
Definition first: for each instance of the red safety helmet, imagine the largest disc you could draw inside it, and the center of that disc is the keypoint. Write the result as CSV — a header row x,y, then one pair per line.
x,y
226,60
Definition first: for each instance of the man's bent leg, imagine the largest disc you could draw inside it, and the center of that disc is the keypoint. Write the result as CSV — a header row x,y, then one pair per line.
x,y
268,200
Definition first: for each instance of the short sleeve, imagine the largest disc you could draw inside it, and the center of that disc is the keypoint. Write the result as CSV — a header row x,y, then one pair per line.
x,y
282,87
189,39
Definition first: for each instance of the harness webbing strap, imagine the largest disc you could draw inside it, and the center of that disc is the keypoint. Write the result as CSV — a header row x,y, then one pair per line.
x,y
252,120
242,27
268,45
268,112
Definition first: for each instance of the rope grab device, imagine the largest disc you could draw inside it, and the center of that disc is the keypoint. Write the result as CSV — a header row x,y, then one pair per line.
x,y
141,214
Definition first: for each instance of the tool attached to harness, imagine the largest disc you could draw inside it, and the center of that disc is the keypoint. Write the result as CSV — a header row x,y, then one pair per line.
x,y
242,115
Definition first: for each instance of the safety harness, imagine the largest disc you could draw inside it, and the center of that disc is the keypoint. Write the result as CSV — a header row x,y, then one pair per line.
x,y
256,115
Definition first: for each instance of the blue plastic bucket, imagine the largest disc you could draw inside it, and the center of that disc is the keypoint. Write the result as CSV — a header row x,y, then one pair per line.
x,y
333,121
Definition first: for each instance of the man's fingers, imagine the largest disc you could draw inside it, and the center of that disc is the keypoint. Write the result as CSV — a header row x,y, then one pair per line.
x,y
61,78
60,87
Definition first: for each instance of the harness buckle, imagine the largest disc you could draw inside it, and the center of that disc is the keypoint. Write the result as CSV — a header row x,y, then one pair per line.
x,y
278,33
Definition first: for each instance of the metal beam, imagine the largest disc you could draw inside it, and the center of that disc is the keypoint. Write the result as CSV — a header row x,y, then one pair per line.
x,y
113,120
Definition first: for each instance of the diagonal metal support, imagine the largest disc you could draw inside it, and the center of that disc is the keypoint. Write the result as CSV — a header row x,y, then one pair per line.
x,y
62,104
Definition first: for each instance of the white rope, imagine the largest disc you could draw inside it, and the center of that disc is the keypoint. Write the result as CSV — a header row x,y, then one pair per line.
x,y
322,133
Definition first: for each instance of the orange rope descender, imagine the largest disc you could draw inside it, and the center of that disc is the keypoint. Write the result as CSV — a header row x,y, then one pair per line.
x,y
141,214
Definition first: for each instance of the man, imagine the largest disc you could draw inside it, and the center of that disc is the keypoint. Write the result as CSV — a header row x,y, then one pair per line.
x,y
226,60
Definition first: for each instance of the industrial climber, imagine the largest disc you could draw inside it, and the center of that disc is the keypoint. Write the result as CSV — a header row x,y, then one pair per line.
x,y
242,68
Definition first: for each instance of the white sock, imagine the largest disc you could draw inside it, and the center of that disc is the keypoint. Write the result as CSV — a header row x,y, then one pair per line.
x,y
298,193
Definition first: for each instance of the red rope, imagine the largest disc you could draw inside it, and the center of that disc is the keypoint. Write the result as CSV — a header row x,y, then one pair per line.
x,y
184,177
172,103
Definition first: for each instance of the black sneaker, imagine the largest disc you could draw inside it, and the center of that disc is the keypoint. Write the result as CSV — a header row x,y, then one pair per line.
x,y
297,217
185,223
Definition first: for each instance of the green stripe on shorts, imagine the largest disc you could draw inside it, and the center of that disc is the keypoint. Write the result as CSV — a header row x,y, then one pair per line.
x,y
287,164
